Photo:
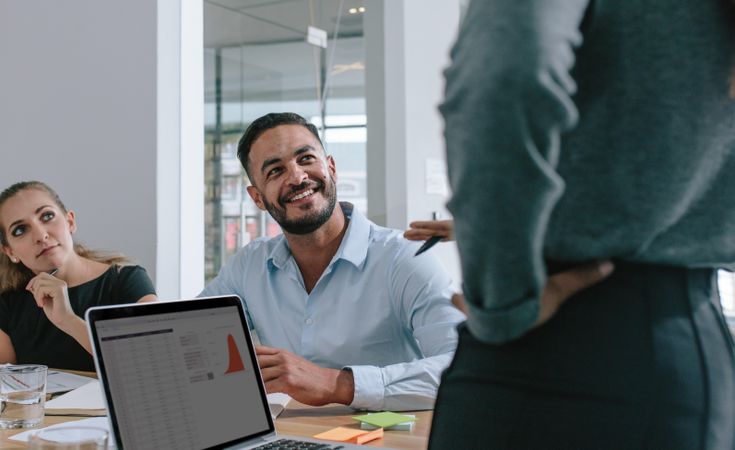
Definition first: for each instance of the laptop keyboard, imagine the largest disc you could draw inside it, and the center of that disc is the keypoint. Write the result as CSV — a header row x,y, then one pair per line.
x,y
288,444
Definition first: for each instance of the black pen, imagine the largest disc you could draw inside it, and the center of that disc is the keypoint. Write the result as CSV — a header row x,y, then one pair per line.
x,y
428,244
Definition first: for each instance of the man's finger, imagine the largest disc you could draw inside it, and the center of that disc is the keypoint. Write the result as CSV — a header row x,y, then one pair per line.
x,y
417,235
274,386
268,361
270,373
425,224
263,350
440,225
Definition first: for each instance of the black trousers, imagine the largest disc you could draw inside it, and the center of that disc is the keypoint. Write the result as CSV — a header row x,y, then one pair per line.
x,y
643,360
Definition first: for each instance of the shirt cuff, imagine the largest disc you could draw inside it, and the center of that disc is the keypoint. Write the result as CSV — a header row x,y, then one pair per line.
x,y
369,387
500,326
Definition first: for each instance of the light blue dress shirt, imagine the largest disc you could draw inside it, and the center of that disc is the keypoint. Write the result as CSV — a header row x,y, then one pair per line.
x,y
376,309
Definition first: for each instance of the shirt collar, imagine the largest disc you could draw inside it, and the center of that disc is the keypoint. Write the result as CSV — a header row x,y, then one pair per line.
x,y
353,248
355,243
279,255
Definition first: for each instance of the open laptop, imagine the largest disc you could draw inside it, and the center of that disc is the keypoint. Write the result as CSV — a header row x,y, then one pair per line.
x,y
184,375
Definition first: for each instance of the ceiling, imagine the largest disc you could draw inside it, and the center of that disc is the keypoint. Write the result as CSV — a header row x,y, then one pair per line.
x,y
246,22
264,54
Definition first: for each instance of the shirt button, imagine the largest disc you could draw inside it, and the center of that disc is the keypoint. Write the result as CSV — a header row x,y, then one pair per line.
x,y
309,321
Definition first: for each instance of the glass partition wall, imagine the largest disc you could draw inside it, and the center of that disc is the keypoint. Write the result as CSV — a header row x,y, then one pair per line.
x,y
257,60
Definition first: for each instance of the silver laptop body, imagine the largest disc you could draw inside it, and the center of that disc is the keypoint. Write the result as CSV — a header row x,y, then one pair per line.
x,y
183,375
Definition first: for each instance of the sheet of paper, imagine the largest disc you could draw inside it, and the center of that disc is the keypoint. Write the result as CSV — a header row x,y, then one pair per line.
x,y
277,403
436,177
384,419
97,422
62,381
88,396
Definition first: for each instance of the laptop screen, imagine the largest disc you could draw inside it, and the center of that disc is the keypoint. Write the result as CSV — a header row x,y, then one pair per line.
x,y
180,374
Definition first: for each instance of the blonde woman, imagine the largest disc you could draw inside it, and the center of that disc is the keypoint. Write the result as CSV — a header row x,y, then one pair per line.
x,y
47,282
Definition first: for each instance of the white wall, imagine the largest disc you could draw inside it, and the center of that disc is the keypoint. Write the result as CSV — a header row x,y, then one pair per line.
x,y
78,111
80,108
407,48
180,156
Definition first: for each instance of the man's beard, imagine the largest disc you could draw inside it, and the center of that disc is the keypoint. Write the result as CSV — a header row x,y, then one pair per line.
x,y
312,221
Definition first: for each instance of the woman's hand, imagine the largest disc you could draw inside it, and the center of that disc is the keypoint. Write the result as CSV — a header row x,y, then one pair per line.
x,y
52,295
423,230
561,286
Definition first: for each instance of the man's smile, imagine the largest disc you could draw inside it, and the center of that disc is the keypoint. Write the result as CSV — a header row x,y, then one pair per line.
x,y
301,193
304,194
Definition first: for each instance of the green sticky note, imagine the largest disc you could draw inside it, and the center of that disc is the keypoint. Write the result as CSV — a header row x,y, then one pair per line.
x,y
384,419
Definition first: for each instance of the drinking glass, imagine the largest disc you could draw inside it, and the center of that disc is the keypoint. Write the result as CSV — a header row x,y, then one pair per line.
x,y
22,395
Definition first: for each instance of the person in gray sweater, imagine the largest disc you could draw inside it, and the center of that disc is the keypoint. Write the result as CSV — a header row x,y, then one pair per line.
x,y
581,131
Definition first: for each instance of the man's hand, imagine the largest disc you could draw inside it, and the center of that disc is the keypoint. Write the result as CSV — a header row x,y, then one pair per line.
x,y
459,302
304,381
423,230
563,285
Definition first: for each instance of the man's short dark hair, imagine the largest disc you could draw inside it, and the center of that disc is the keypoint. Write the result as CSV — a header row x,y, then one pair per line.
x,y
265,123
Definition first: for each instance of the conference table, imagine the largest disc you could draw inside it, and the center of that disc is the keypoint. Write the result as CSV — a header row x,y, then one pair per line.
x,y
302,420
299,420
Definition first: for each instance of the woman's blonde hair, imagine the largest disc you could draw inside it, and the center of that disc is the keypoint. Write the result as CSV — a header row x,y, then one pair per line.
x,y
15,276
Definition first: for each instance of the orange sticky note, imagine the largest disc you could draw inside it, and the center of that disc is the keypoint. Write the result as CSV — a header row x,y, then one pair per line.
x,y
341,434
351,435
375,434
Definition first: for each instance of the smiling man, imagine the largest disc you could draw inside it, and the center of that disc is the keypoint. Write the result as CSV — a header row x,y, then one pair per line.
x,y
345,312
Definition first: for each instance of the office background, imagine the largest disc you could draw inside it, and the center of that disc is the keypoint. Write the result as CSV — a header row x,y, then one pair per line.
x,y
107,102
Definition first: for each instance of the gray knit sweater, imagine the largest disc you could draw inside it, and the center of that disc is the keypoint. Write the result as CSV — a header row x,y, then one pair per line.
x,y
579,130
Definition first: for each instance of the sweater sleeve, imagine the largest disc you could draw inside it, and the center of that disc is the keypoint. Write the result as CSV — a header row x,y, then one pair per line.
x,y
508,99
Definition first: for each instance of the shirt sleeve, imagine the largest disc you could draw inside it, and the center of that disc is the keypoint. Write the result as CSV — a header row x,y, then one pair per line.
x,y
230,278
229,282
133,284
421,292
507,102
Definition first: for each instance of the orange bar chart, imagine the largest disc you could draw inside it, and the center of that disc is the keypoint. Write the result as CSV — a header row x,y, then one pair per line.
x,y
235,360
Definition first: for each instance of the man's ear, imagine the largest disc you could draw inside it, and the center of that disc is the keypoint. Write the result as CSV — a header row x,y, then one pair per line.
x,y
332,166
256,196
72,221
